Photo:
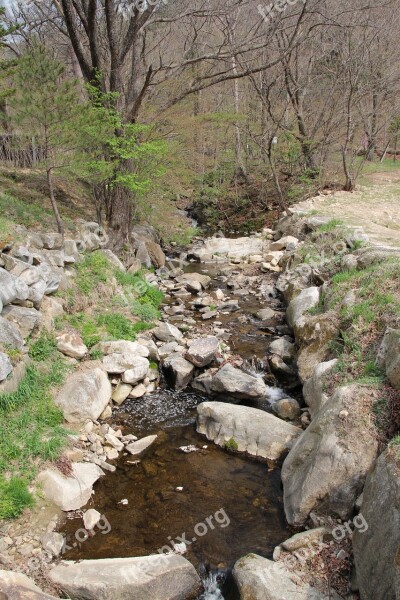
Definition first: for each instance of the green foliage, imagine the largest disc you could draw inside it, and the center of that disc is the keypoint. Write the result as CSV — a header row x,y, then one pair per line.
x,y
95,268
330,226
118,326
14,497
43,347
145,311
231,444
20,212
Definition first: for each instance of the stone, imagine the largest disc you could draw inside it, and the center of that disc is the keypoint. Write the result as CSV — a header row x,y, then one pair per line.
x,y
50,309
349,262
178,371
71,344
84,395
119,363
190,278
306,299
202,351
283,243
314,335
265,314
134,266
53,542
138,391
167,349
326,469
11,288
237,248
26,320
283,348
121,393
16,586
141,445
166,332
51,241
389,356
376,539
249,429
113,259
202,383
151,347
138,371
313,388
106,414
5,366
142,255
287,408
159,577
305,538
155,253
114,441
73,492
237,384
123,347
258,578
10,336
90,518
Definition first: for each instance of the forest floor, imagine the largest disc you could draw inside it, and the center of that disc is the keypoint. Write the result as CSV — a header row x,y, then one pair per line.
x,y
374,206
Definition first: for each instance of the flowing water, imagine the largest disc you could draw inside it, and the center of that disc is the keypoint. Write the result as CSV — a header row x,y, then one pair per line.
x,y
215,505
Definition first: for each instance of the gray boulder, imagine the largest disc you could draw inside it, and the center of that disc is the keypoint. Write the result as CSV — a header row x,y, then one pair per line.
x,y
313,389
265,314
389,356
326,469
179,371
287,409
314,333
12,288
190,278
74,491
248,429
9,335
25,319
237,384
258,578
202,351
16,586
5,366
137,372
166,332
306,299
119,363
84,395
283,348
376,542
113,259
123,347
159,577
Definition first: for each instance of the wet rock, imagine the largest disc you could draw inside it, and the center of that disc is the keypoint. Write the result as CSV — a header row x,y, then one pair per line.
x,y
237,384
246,429
265,314
84,395
376,541
5,366
138,371
229,306
70,493
202,351
178,371
16,586
189,278
258,578
210,314
166,332
71,344
25,319
159,577
326,469
10,336
389,356
202,383
283,371
313,389
306,299
287,409
121,363
141,445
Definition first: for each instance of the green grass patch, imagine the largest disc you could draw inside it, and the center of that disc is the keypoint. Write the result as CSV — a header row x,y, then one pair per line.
x,y
94,269
43,347
330,226
24,213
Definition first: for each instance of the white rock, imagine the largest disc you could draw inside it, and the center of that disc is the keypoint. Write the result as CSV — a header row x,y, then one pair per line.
x,y
138,372
73,492
141,445
90,518
71,344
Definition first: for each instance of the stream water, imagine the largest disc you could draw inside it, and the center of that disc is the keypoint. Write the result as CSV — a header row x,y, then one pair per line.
x,y
223,505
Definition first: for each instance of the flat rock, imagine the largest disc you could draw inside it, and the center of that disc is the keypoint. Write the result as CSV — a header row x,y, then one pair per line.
x,y
70,493
84,395
193,278
265,314
255,431
166,332
202,351
16,586
123,347
238,384
141,445
156,577
71,344
119,363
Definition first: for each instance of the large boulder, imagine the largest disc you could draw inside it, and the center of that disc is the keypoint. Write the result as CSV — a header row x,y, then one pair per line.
x,y
159,577
389,356
50,309
137,372
237,384
17,586
71,344
5,366
11,288
202,351
119,363
123,347
376,542
178,371
157,256
84,395
190,278
246,429
326,469
314,335
306,299
25,319
313,388
238,248
258,578
166,332
74,491
9,335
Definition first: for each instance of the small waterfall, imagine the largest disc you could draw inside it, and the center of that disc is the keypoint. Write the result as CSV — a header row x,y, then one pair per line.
x,y
212,590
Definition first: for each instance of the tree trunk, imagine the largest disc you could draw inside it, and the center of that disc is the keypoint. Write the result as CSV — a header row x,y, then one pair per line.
x,y
60,225
119,216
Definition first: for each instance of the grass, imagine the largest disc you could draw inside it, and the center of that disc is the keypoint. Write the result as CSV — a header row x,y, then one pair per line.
x,y
330,226
43,347
22,212
32,431
231,445
94,269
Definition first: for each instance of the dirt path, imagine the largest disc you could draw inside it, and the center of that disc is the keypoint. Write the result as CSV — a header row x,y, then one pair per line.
x,y
374,206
